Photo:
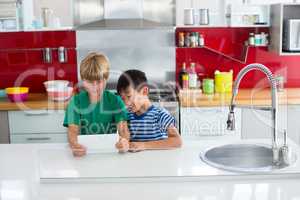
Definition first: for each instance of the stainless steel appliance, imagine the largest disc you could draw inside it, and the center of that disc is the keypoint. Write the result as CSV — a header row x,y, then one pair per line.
x,y
291,35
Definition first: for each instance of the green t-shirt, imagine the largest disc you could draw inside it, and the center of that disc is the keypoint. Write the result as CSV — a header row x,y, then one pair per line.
x,y
98,118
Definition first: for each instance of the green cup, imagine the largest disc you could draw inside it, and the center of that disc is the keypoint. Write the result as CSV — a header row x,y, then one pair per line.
x,y
208,86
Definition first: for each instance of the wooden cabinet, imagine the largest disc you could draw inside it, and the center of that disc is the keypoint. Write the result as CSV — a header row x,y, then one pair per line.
x,y
207,121
37,126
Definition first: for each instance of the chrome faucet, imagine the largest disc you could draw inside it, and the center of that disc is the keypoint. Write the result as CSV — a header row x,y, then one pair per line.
x,y
273,109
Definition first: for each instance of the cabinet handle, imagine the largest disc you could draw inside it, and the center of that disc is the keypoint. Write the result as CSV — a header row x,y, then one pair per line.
x,y
36,114
36,139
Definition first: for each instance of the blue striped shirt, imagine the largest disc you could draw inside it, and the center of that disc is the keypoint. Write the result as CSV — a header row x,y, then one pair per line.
x,y
151,125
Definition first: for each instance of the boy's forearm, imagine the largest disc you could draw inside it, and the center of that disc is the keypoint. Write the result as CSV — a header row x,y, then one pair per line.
x,y
169,143
123,130
73,134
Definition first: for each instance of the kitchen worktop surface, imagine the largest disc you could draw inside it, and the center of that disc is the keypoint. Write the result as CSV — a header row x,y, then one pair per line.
x,y
48,171
187,98
35,101
256,96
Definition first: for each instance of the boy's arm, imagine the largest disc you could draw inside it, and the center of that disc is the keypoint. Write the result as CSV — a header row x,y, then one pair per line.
x,y
123,130
123,144
173,141
77,149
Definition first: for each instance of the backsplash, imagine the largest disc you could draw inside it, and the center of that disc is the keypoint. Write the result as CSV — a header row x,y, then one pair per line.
x,y
22,63
230,41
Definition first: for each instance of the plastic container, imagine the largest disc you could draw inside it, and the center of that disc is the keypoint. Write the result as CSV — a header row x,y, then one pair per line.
x,y
2,94
208,86
16,90
223,81
17,94
17,97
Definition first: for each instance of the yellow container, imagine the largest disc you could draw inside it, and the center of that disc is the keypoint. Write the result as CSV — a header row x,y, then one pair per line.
x,y
223,81
16,90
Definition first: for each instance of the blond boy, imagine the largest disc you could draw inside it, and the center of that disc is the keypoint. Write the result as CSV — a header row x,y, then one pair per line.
x,y
95,110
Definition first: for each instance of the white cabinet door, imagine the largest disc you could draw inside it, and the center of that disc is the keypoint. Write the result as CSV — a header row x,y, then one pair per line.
x,y
294,123
258,124
207,121
39,138
36,121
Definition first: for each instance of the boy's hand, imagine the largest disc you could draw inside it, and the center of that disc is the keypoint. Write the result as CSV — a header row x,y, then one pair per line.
x,y
78,150
136,146
122,145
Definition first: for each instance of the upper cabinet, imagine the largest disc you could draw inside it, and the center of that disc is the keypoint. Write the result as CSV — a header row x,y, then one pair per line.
x,y
61,11
285,26
20,15
234,13
216,12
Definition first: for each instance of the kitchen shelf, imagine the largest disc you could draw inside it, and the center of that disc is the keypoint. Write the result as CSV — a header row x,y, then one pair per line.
x,y
242,61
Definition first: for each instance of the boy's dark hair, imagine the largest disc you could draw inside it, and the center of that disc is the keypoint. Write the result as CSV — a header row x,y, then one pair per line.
x,y
134,78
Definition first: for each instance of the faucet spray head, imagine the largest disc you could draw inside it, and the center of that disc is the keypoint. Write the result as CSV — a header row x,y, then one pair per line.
x,y
231,121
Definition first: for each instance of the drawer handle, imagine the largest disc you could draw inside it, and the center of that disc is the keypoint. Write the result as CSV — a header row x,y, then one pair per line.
x,y
36,139
36,114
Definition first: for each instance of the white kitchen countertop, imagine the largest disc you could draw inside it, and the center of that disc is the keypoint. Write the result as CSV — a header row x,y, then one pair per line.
x,y
172,174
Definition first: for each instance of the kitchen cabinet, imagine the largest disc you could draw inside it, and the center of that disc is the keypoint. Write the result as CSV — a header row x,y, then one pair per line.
x,y
37,126
207,121
4,129
63,10
280,13
258,2
258,124
216,11
293,125
8,15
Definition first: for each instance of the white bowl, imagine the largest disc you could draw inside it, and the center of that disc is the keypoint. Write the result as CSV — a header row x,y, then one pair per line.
x,y
59,84
60,94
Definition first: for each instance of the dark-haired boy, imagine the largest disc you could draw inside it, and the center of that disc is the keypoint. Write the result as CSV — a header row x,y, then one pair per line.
x,y
151,127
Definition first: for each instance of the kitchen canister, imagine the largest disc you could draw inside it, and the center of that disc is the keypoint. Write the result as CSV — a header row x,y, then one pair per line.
x,y
208,86
223,81
203,16
189,16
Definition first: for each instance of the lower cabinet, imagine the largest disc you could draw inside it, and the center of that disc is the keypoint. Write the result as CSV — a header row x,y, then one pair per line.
x,y
37,126
258,124
38,138
207,121
293,121
4,129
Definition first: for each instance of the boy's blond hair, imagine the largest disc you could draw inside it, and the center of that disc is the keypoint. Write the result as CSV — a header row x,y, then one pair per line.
x,y
94,67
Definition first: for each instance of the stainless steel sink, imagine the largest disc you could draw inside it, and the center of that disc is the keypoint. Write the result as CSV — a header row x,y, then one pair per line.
x,y
242,158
